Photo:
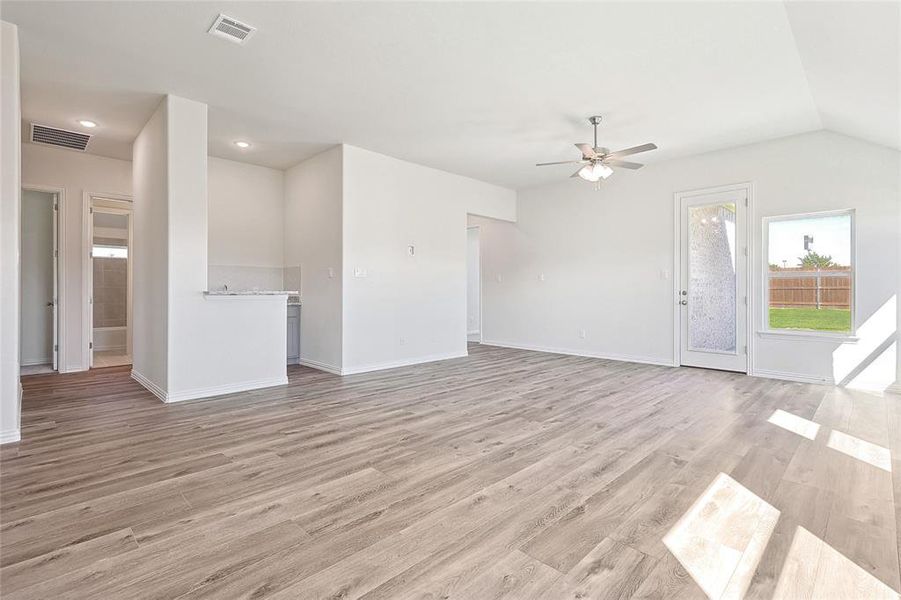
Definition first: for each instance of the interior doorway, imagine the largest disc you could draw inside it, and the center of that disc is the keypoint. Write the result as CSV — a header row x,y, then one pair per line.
x,y
473,286
712,282
39,286
109,282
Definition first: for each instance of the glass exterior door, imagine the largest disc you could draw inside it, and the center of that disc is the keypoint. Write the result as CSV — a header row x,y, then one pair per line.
x,y
712,305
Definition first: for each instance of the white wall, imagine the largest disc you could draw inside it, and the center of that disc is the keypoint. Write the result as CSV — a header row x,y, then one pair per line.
x,y
244,248
36,318
246,225
312,225
150,255
407,309
605,254
10,188
76,173
473,285
213,345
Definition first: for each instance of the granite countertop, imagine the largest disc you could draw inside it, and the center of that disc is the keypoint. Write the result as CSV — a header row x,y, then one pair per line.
x,y
251,293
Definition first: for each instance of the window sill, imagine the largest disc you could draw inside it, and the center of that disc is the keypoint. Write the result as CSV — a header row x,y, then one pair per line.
x,y
817,336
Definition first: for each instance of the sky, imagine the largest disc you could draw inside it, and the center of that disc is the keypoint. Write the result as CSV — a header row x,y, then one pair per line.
x,y
831,236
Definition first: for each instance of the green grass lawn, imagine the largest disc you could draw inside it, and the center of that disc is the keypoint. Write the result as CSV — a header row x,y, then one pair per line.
x,y
824,319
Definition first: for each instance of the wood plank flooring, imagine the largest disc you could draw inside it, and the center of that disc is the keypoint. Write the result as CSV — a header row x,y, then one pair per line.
x,y
506,474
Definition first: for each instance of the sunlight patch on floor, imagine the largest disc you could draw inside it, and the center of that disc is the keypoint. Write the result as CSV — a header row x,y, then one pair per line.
x,y
795,424
814,569
721,538
854,447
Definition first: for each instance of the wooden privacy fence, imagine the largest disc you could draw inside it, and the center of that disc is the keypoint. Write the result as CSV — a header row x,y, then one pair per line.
x,y
810,288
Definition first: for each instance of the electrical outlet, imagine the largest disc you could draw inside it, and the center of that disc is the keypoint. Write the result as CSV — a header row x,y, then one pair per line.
x,y
360,272
541,277
582,334
402,340
500,278
331,273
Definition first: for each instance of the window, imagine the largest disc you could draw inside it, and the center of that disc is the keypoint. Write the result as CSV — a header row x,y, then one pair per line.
x,y
100,251
810,272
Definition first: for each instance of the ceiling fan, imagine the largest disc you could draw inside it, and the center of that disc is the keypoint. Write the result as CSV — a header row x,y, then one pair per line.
x,y
597,162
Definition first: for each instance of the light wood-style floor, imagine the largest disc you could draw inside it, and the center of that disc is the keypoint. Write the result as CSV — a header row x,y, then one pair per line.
x,y
110,358
505,474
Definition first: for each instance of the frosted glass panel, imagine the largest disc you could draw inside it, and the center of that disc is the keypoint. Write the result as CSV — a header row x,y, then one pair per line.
x,y
711,283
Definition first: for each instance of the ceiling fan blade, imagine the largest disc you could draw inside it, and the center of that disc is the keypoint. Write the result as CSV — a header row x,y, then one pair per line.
x,y
562,162
613,162
632,150
587,150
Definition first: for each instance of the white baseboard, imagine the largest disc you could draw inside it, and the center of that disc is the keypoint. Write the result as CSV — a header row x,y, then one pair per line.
x,y
401,363
220,390
895,388
11,436
645,360
321,366
119,349
149,385
474,332
207,392
30,362
787,376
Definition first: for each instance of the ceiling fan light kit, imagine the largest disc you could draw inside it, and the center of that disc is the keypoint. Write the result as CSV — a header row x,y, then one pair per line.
x,y
595,172
597,163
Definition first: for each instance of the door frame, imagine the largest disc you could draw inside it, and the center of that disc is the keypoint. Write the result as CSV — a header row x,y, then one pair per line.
x,y
748,188
59,329
481,286
123,204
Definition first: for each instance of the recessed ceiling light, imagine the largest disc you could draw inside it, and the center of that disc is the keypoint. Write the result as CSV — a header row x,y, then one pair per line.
x,y
242,144
87,123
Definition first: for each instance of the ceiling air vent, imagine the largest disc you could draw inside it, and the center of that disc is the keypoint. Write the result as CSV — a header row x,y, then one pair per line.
x,y
231,29
74,140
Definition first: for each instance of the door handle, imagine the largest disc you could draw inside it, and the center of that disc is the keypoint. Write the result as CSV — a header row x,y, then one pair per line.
x,y
683,302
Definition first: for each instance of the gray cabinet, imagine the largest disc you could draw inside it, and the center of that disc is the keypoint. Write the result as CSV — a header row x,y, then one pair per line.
x,y
293,335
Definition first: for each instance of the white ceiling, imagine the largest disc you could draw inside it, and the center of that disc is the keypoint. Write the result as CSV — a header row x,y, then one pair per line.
x,y
481,89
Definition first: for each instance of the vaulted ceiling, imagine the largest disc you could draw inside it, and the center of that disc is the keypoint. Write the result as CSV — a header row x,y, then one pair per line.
x,y
480,89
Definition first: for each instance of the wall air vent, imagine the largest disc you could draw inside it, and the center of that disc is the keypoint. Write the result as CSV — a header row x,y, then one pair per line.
x,y
51,136
231,29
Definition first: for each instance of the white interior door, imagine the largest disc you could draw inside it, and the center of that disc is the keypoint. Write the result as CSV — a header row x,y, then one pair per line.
x,y
473,286
55,298
713,276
